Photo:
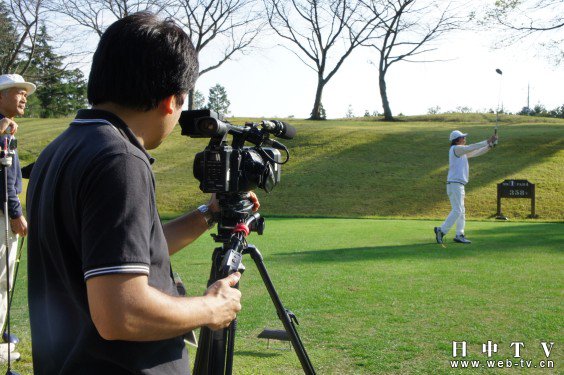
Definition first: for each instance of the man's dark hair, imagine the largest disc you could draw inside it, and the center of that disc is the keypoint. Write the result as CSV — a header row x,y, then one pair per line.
x,y
455,141
140,60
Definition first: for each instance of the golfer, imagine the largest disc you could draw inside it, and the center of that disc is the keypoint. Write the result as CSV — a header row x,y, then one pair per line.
x,y
457,178
13,98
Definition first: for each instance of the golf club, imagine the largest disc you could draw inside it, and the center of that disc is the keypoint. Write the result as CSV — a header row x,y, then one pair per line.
x,y
5,163
498,71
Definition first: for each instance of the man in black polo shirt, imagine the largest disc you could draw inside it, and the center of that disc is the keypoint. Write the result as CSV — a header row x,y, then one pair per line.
x,y
101,296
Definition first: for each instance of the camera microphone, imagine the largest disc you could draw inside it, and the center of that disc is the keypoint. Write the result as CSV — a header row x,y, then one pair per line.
x,y
279,129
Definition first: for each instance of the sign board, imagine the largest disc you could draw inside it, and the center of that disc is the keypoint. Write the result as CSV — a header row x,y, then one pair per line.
x,y
515,189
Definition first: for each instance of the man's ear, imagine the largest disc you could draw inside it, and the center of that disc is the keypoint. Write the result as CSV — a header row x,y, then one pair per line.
x,y
168,104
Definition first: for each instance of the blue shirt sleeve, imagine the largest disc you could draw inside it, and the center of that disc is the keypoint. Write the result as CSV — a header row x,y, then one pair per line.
x,y
14,185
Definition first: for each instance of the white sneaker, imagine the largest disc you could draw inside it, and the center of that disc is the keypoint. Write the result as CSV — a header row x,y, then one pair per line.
x,y
462,239
14,356
439,235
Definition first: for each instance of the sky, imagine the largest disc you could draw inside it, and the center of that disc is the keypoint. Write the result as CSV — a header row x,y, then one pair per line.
x,y
274,83
270,81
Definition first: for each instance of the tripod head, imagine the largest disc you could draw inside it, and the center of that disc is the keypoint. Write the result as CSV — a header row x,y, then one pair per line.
x,y
236,220
236,208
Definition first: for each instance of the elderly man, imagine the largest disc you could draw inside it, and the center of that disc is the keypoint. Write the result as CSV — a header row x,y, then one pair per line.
x,y
13,98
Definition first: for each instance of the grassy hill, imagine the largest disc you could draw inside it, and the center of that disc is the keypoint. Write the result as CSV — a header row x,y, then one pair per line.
x,y
368,168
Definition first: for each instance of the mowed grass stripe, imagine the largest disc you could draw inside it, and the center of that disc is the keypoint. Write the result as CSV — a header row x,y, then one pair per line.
x,y
367,168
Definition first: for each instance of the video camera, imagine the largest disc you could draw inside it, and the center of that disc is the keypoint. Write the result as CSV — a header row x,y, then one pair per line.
x,y
235,168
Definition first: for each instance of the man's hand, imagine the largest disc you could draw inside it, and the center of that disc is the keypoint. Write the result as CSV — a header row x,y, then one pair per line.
x,y
213,204
19,226
8,126
492,139
224,301
253,198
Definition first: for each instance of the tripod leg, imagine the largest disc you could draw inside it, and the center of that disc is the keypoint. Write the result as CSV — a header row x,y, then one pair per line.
x,y
211,352
210,355
230,347
285,315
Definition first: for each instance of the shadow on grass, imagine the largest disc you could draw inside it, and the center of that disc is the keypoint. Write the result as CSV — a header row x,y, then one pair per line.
x,y
358,169
383,173
251,353
547,238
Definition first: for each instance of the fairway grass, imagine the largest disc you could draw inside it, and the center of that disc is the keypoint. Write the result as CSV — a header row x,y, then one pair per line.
x,y
381,297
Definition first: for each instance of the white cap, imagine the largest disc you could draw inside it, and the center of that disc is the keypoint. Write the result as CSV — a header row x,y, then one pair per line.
x,y
15,80
456,134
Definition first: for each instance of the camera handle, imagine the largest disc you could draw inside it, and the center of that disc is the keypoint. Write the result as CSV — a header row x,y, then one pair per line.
x,y
214,355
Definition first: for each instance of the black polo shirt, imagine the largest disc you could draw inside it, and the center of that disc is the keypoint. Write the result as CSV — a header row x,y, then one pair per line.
x,y
92,211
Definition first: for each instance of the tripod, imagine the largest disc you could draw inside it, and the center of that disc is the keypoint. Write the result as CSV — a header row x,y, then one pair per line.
x,y
215,348
5,162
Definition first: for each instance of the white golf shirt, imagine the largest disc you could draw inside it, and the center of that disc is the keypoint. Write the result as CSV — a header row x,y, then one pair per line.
x,y
458,160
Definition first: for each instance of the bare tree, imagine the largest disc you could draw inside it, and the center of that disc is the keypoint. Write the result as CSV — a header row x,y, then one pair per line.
x,y
232,23
409,28
529,16
231,26
323,32
521,19
98,15
19,39
78,20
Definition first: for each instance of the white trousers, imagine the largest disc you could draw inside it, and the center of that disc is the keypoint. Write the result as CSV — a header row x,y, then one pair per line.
x,y
13,249
457,214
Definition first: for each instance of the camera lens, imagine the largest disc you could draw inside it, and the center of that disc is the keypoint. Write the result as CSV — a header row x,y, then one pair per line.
x,y
208,126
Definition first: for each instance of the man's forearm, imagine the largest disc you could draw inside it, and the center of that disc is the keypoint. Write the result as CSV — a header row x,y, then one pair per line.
x,y
125,307
183,230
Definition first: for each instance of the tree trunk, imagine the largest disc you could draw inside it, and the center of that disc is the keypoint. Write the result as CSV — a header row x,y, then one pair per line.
x,y
316,111
191,99
384,95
